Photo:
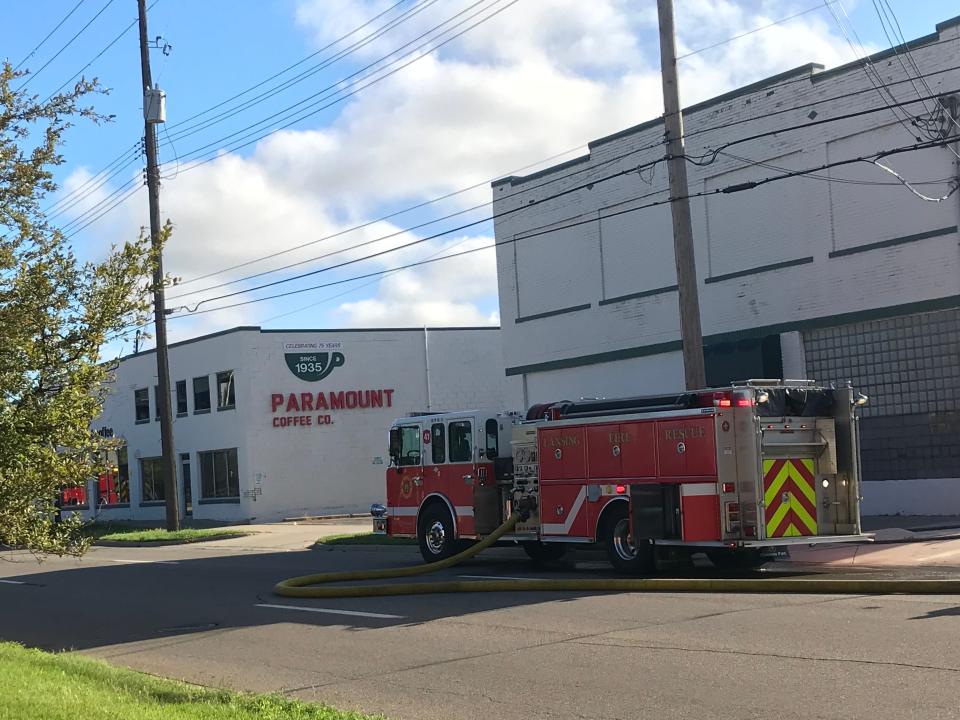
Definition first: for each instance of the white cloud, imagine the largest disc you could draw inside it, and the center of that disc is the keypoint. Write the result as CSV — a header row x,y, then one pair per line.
x,y
540,78
439,293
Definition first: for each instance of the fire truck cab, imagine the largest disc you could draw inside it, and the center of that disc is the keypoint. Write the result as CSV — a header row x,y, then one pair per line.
x,y
734,472
441,483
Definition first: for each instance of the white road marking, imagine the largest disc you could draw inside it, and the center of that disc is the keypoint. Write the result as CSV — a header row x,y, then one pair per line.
x,y
330,611
12,582
141,562
495,577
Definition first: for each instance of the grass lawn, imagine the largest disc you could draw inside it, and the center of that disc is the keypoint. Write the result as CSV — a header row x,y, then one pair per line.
x,y
113,532
36,685
365,539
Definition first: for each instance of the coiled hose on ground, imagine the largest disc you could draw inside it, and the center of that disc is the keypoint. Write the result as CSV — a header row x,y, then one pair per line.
x,y
320,585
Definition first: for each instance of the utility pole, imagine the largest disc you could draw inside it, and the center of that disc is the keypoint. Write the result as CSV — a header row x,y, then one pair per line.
x,y
690,331
159,304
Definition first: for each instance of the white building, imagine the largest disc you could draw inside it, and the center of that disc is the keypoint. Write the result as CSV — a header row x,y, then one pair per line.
x,y
840,274
270,424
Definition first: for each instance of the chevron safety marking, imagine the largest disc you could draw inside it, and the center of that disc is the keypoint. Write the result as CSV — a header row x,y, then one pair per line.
x,y
790,497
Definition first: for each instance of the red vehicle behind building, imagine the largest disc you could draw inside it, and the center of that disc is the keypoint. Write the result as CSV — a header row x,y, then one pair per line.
x,y
734,472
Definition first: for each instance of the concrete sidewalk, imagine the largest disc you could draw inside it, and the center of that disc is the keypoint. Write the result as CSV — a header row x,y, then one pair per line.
x,y
291,535
932,553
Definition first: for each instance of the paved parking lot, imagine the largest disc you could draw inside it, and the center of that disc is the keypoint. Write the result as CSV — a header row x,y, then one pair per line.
x,y
205,613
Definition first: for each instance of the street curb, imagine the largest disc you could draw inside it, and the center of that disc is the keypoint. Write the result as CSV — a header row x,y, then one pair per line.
x,y
910,541
309,518
320,547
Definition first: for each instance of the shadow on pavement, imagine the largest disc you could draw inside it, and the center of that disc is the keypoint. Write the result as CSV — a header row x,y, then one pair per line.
x,y
82,605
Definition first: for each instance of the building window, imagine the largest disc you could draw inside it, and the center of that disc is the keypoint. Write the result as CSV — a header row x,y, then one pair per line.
x,y
141,402
439,440
113,486
226,399
151,479
201,395
461,436
218,474
493,437
156,402
181,398
74,497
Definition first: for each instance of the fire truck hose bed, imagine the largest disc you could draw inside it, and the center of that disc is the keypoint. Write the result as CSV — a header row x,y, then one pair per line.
x,y
319,586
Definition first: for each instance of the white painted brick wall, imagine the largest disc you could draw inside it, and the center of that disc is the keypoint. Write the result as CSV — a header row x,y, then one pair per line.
x,y
785,220
303,470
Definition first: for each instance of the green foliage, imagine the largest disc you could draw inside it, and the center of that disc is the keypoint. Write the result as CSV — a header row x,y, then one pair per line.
x,y
184,535
56,314
35,685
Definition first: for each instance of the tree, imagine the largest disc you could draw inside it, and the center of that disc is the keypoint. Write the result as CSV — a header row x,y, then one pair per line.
x,y
56,315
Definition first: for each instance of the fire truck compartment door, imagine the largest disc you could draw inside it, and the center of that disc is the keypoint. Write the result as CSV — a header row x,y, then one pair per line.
x,y
562,454
621,450
563,510
655,509
687,447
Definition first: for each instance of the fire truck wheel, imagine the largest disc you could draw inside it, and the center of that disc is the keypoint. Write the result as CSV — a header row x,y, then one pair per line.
x,y
624,554
541,552
435,533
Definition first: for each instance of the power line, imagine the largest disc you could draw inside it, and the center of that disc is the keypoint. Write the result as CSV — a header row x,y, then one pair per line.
x,y
243,92
96,207
473,187
751,32
894,22
49,34
289,67
98,55
257,135
383,218
216,152
705,159
31,77
690,134
74,196
133,191
411,12
730,189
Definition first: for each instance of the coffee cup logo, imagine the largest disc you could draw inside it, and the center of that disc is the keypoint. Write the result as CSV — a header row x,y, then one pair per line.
x,y
313,361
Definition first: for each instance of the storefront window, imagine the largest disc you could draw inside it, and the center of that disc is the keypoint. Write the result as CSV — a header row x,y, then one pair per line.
x,y
438,439
461,446
74,497
113,486
151,478
218,474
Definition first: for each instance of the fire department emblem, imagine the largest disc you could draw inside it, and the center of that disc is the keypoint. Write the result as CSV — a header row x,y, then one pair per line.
x,y
313,361
406,488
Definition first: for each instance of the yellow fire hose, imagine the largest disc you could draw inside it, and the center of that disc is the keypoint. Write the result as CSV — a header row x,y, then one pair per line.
x,y
306,586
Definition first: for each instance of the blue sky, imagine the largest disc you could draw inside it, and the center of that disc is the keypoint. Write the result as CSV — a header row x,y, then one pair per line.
x,y
539,78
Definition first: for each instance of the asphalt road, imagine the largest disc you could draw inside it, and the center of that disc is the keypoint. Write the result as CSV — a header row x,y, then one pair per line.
x,y
207,615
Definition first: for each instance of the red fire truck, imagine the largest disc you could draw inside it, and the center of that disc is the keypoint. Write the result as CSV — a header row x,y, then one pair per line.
x,y
735,472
